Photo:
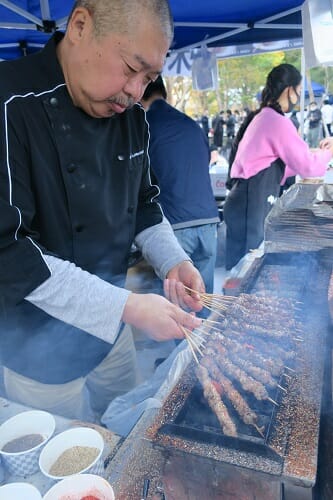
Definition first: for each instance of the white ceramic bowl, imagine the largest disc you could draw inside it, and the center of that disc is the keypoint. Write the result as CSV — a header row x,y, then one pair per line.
x,y
81,485
19,491
78,436
24,463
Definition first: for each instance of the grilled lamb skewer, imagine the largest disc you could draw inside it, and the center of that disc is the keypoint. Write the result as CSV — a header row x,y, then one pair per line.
x,y
237,401
258,328
280,305
214,400
256,372
247,382
273,366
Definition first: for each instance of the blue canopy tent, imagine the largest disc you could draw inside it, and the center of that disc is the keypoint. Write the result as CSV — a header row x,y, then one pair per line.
x,y
317,88
25,25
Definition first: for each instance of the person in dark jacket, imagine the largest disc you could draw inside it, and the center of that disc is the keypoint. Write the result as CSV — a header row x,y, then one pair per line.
x,y
218,129
75,192
314,118
179,156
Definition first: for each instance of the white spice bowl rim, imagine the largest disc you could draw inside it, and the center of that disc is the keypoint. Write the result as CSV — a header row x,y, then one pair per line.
x,y
19,490
24,423
75,487
77,436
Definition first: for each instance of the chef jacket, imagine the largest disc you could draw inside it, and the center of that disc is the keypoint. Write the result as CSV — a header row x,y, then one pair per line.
x,y
72,186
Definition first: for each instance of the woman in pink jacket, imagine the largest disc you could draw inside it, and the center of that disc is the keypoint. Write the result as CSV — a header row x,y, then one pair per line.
x,y
266,150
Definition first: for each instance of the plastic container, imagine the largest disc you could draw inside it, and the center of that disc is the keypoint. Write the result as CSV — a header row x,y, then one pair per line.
x,y
81,486
78,436
28,423
19,491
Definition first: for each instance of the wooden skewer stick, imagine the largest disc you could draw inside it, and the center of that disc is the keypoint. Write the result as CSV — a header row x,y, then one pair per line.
x,y
212,322
194,341
214,311
259,430
198,336
290,369
200,330
282,388
272,401
213,304
190,345
210,296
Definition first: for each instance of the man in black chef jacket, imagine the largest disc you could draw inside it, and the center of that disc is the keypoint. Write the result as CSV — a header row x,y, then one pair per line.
x,y
75,192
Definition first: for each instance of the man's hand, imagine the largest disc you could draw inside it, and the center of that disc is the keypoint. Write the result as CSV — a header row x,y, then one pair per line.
x,y
184,274
157,317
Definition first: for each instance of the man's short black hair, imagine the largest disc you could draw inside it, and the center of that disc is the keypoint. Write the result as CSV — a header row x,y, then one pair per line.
x,y
156,87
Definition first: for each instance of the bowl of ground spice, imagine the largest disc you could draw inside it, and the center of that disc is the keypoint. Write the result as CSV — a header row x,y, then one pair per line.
x,y
22,438
81,487
71,452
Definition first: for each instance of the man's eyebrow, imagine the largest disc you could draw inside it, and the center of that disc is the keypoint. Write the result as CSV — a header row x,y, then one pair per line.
x,y
144,64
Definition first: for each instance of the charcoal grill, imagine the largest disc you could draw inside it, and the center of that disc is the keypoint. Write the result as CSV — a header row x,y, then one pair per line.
x,y
286,456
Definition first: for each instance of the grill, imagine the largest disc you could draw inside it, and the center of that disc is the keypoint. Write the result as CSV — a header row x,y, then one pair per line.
x,y
284,454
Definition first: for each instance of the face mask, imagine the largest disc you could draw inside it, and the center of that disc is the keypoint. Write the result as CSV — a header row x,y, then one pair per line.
x,y
291,105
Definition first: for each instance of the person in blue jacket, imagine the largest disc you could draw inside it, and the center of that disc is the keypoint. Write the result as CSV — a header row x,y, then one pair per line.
x,y
179,156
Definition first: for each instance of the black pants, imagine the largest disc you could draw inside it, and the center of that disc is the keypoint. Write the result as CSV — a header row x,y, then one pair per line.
x,y
246,208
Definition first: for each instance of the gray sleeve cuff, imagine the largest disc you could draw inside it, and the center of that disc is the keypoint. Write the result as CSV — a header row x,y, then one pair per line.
x,y
160,248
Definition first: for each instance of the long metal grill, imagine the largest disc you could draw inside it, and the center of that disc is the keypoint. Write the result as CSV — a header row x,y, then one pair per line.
x,y
257,403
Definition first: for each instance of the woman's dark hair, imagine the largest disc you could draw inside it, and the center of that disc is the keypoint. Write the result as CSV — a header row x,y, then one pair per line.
x,y
279,78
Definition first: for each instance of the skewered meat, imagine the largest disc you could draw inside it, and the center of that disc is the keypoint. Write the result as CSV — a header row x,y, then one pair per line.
x,y
237,401
247,382
274,366
214,400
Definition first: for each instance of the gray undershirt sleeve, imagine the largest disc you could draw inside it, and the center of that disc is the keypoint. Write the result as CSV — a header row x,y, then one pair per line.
x,y
87,302
81,299
160,248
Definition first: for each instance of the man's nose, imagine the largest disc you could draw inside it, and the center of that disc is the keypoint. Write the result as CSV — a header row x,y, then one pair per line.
x,y
135,87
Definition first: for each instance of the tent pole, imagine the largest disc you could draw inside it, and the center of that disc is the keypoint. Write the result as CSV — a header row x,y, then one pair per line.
x,y
45,9
27,15
302,102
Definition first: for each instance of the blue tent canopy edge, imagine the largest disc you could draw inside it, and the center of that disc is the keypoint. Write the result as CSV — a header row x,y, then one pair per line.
x,y
25,25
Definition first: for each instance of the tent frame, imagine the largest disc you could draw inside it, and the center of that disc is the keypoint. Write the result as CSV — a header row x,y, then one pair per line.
x,y
48,25
45,25
236,28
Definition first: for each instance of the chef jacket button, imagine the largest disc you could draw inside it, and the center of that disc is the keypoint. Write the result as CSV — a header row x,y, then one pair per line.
x,y
79,228
130,210
71,168
54,102
121,157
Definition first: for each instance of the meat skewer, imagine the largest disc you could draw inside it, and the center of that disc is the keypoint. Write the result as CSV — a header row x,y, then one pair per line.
x,y
255,371
214,400
237,401
243,324
248,383
273,366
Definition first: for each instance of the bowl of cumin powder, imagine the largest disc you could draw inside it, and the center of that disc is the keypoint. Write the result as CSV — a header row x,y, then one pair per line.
x,y
71,452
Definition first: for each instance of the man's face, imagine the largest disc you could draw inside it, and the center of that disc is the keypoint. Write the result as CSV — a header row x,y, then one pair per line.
x,y
107,75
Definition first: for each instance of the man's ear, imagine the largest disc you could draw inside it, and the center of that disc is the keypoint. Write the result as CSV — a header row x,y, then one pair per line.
x,y
80,24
